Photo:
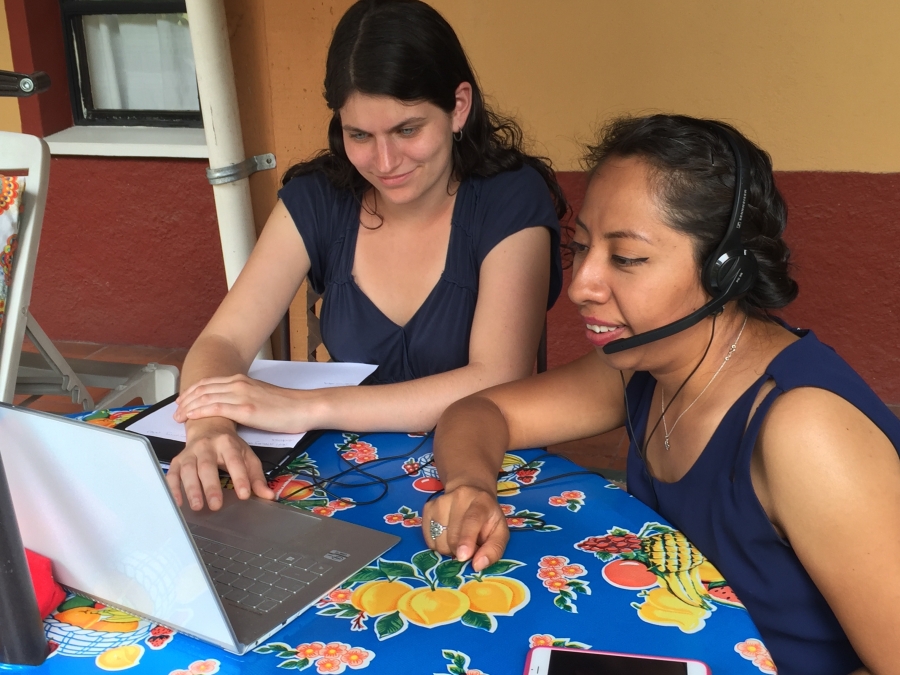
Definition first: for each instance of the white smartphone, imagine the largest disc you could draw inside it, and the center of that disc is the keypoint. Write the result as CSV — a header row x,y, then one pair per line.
x,y
562,661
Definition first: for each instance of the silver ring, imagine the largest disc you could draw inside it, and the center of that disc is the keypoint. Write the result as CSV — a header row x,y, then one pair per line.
x,y
435,529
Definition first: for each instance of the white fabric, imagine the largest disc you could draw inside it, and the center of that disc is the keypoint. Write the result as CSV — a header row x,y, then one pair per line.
x,y
141,62
11,189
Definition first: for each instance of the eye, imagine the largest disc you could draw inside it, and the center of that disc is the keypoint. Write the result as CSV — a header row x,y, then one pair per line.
x,y
576,248
408,131
357,136
627,262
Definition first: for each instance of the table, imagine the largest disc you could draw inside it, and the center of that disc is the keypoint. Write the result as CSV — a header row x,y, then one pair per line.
x,y
587,566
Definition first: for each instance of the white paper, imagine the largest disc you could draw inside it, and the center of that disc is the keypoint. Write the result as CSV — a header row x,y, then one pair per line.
x,y
287,374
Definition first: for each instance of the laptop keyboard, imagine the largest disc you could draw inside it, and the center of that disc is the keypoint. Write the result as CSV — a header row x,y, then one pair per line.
x,y
263,581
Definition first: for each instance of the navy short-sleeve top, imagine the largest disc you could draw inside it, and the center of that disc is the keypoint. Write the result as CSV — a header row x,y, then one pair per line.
x,y
436,338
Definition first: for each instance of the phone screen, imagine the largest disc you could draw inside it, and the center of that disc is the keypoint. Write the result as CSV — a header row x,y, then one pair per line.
x,y
585,663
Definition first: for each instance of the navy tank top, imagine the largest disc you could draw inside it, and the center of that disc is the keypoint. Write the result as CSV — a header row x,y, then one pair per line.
x,y
716,507
436,338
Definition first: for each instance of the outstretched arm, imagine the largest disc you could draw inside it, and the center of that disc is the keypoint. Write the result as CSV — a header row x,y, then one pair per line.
x,y
225,347
580,399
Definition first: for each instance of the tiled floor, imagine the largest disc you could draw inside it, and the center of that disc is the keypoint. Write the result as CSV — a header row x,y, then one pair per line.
x,y
605,453
89,350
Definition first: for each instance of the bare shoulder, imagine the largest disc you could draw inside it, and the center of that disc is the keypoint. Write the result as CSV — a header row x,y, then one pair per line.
x,y
814,440
829,480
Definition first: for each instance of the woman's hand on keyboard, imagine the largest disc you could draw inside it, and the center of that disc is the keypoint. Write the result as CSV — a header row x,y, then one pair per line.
x,y
213,444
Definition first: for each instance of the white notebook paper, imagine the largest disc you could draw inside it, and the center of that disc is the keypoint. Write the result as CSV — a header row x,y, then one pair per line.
x,y
287,374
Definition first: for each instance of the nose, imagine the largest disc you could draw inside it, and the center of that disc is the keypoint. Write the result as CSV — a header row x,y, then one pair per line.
x,y
589,284
386,156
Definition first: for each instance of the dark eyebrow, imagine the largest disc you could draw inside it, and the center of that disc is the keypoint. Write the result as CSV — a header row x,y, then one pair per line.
x,y
405,123
618,234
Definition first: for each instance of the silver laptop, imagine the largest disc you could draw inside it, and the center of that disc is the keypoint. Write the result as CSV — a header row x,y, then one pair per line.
x,y
95,502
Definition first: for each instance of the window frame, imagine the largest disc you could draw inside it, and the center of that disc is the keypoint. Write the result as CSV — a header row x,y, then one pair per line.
x,y
83,111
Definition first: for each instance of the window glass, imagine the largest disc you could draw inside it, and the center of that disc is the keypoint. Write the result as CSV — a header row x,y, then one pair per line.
x,y
140,62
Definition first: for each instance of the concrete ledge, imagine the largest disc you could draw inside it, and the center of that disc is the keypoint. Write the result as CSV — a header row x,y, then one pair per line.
x,y
102,141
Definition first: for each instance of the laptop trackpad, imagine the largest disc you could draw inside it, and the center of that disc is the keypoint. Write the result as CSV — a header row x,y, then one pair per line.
x,y
251,523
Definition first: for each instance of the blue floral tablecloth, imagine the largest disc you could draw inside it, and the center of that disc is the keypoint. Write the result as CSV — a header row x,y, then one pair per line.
x,y
587,566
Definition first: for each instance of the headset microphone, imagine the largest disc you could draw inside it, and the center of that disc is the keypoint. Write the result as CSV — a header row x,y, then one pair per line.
x,y
728,273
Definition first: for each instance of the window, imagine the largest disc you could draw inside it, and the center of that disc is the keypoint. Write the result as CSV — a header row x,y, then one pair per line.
x,y
130,63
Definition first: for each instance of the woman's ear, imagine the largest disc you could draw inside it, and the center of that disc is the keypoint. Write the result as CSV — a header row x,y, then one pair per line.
x,y
463,106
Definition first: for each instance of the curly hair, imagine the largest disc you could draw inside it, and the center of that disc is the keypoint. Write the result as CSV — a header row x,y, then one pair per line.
x,y
693,175
406,50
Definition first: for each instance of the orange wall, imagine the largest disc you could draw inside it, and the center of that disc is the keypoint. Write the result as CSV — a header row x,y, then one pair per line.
x,y
9,107
814,82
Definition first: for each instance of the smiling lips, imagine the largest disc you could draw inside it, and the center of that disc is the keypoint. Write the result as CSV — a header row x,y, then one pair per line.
x,y
600,333
392,181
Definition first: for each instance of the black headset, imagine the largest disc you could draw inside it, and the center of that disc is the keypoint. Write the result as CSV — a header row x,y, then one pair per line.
x,y
729,272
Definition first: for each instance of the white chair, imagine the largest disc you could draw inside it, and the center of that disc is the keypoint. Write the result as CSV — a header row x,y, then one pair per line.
x,y
47,372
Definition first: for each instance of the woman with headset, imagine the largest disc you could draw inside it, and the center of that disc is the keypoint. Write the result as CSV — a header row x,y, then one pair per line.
x,y
431,235
757,441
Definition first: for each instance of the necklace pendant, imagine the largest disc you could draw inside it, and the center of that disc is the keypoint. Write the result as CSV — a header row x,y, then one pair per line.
x,y
666,442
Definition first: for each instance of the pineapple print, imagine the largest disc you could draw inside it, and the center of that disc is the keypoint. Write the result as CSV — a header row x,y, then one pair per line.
x,y
672,557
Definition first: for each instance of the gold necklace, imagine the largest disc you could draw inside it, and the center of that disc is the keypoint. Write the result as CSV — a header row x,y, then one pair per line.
x,y
662,394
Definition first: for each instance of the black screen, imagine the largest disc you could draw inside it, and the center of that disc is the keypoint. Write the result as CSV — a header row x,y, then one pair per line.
x,y
585,663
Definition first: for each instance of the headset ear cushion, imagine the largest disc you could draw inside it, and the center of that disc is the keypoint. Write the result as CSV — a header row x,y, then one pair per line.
x,y
733,272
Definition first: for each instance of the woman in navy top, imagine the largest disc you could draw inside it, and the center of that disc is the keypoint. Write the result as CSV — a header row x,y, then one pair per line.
x,y
432,236
758,442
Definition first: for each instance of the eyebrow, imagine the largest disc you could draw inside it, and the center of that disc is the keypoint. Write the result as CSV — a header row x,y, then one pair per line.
x,y
618,234
405,123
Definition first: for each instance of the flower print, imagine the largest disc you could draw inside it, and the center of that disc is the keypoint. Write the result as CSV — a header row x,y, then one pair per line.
x,y
310,650
339,595
541,641
754,650
557,584
334,650
526,476
573,494
329,665
507,509
515,522
204,667
553,561
474,671
341,504
362,446
558,501
550,573
573,570
765,664
356,657
393,518
323,510
413,522
751,648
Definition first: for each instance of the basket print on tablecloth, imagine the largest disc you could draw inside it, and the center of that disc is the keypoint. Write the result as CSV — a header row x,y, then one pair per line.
x,y
116,640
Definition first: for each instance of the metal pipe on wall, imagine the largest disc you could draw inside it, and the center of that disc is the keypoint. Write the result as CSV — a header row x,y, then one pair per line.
x,y
222,125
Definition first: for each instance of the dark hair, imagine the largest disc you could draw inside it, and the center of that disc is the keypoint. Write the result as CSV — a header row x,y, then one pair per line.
x,y
693,170
406,50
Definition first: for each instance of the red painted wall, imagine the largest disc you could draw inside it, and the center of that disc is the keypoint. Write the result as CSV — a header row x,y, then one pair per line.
x,y
36,42
130,255
843,230
129,252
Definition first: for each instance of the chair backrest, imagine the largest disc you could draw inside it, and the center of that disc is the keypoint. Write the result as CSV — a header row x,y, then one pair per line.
x,y
21,154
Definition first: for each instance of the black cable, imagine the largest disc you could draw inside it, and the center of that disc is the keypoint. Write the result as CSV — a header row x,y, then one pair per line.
x,y
712,335
325,482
